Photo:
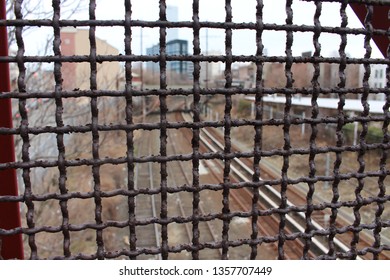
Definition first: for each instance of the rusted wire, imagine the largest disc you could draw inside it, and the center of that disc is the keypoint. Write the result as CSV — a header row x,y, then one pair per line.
x,y
129,126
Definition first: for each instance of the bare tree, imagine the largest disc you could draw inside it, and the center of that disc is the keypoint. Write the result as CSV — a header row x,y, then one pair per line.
x,y
35,9
38,77
41,112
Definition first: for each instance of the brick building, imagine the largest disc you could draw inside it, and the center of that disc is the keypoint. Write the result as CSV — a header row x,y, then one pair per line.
x,y
77,75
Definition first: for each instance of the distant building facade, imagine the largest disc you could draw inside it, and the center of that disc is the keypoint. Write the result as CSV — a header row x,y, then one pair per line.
x,y
177,71
77,75
179,47
174,47
377,79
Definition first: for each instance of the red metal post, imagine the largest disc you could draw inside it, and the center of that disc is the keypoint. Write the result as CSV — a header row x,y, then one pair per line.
x,y
380,20
12,246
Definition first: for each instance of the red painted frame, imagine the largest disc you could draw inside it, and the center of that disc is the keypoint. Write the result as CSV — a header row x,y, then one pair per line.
x,y
12,246
380,21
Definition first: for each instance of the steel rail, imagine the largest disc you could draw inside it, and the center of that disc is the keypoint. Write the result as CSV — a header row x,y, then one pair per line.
x,y
317,226
208,224
152,198
155,227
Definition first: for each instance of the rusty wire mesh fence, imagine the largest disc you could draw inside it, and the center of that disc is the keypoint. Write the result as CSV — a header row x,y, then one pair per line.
x,y
76,137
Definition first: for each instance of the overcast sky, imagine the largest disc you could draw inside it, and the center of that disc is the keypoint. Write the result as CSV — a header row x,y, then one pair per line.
x,y
243,11
243,40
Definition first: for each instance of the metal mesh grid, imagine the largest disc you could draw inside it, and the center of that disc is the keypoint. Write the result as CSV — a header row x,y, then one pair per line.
x,y
95,129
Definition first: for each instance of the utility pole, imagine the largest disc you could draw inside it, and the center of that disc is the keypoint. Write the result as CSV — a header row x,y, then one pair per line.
x,y
141,75
207,53
141,62
207,68
207,63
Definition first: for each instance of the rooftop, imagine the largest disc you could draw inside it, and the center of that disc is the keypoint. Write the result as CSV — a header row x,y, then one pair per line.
x,y
355,105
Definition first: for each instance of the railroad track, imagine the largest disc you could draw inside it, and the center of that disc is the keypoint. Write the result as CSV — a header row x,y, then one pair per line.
x,y
178,175
267,249
148,235
268,225
271,199
180,205
298,197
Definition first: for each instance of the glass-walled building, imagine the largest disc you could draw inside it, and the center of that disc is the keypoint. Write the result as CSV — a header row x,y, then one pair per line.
x,y
179,47
174,47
